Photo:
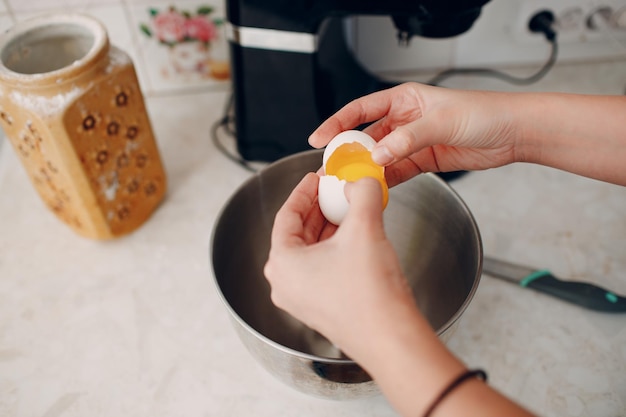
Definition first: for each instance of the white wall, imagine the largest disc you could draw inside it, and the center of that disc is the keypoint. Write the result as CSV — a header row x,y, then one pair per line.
x,y
499,37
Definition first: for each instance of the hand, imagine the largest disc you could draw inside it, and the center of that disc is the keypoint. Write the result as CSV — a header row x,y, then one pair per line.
x,y
422,128
344,282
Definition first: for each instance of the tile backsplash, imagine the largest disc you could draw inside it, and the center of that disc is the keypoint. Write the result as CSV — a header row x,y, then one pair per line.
x,y
176,45
182,46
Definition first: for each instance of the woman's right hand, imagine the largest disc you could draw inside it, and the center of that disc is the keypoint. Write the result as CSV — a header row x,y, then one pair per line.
x,y
421,128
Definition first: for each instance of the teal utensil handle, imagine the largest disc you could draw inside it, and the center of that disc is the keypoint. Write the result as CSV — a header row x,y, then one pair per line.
x,y
582,293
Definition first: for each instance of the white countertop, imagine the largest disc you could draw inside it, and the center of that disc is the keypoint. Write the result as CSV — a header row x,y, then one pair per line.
x,y
134,326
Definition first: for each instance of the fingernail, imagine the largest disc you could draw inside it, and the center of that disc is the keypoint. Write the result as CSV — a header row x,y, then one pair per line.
x,y
314,140
381,155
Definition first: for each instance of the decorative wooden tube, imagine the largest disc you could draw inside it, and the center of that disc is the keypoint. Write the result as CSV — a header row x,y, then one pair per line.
x,y
71,105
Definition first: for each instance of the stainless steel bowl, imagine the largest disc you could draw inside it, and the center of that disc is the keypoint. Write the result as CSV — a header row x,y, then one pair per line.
x,y
431,228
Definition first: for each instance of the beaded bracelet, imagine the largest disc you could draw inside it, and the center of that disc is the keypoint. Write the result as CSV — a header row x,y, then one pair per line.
x,y
478,373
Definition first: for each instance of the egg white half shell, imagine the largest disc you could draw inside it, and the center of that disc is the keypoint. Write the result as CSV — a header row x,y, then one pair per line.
x,y
331,196
332,199
349,136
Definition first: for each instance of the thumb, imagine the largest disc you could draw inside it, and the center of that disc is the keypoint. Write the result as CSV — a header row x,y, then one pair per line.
x,y
412,137
366,207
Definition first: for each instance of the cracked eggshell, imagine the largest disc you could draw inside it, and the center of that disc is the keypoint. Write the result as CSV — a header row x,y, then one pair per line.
x,y
331,197
332,200
348,136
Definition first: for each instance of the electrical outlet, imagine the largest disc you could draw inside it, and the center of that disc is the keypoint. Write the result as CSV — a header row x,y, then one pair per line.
x,y
500,37
577,21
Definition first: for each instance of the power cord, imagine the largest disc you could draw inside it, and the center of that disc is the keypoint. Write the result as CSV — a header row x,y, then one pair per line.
x,y
541,22
227,124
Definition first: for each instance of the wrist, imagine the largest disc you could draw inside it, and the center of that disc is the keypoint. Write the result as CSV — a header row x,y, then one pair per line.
x,y
531,128
409,362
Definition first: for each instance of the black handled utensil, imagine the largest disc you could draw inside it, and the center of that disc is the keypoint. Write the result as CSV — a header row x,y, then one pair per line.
x,y
583,294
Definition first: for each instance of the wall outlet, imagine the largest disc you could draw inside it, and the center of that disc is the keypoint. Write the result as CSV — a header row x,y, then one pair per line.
x,y
499,38
578,21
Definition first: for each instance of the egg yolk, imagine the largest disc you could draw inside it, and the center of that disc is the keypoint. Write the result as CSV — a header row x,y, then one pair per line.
x,y
352,161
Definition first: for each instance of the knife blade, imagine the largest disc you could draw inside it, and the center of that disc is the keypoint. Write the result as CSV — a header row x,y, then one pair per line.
x,y
584,294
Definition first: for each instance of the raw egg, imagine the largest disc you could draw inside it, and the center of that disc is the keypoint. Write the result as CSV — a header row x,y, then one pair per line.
x,y
347,158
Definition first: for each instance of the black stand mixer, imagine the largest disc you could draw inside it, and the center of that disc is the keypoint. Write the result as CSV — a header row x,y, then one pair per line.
x,y
292,67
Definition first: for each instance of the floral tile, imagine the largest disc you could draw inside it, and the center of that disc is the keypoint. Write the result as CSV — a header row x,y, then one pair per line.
x,y
182,46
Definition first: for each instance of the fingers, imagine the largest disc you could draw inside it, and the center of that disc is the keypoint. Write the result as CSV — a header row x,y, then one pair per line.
x,y
362,110
410,138
399,125
289,224
366,208
397,145
403,170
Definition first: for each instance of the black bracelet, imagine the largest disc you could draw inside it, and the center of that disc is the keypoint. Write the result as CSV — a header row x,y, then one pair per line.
x,y
478,373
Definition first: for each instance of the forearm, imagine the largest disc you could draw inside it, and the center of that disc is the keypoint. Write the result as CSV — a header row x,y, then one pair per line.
x,y
582,134
413,367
